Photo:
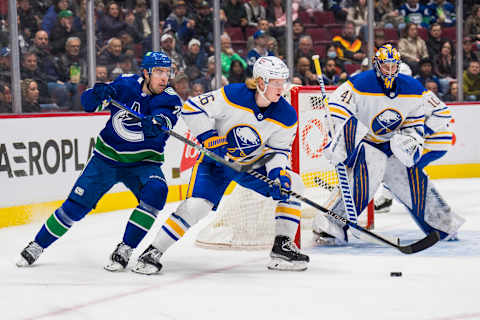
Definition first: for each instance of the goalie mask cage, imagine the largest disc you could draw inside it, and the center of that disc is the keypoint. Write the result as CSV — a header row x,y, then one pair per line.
x,y
246,219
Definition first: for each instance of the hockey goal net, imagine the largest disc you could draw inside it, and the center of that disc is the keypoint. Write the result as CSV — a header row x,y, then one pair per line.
x,y
245,219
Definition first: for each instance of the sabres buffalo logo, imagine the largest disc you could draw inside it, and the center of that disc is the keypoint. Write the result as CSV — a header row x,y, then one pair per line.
x,y
242,141
386,122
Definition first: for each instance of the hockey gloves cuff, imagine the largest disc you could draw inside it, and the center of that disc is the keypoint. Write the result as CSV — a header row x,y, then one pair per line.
x,y
282,180
152,125
212,141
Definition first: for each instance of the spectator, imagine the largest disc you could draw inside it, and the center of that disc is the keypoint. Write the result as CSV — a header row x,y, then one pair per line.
x,y
204,27
415,13
472,24
30,95
50,18
46,62
142,17
432,86
111,23
311,6
435,41
349,47
379,38
471,81
228,54
195,56
276,13
298,32
7,93
412,47
387,16
235,13
101,73
4,106
330,76
179,23
305,48
181,84
208,80
63,30
167,43
303,72
296,81
197,89
29,20
426,72
132,28
468,53
111,55
443,12
72,69
5,70
255,12
30,70
452,94
260,50
128,44
444,66
339,9
264,25
237,73
358,14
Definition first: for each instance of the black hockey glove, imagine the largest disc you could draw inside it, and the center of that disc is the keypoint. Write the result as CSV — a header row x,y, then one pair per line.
x,y
151,129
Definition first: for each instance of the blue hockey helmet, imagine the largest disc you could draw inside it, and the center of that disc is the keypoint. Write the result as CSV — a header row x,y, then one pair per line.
x,y
155,59
387,64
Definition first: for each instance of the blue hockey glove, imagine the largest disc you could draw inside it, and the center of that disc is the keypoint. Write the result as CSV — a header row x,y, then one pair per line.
x,y
213,142
104,91
283,180
151,129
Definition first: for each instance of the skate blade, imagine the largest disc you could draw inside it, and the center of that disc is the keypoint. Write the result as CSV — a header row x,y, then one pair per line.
x,y
22,263
146,269
383,210
283,265
114,267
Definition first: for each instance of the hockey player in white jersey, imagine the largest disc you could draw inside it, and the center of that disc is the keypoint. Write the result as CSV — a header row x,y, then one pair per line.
x,y
380,134
241,122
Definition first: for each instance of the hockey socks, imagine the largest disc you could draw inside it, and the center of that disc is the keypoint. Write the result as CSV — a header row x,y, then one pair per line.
x,y
140,222
173,229
55,227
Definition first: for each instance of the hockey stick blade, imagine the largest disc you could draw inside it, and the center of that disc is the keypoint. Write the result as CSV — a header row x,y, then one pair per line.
x,y
233,165
421,244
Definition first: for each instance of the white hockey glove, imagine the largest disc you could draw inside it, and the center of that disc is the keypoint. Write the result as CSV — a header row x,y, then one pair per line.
x,y
407,148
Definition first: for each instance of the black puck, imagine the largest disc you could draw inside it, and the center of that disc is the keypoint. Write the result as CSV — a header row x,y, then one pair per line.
x,y
395,274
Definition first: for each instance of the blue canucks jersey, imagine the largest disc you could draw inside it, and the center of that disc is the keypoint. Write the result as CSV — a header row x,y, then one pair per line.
x,y
122,140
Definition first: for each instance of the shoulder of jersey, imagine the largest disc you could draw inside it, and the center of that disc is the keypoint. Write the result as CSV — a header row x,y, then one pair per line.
x,y
408,85
239,94
169,97
366,82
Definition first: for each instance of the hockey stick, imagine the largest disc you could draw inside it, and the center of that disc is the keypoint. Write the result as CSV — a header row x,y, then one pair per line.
x,y
420,245
234,165
340,167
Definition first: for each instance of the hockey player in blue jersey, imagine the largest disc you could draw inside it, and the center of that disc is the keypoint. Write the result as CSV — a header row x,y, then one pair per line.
x,y
241,123
127,150
387,127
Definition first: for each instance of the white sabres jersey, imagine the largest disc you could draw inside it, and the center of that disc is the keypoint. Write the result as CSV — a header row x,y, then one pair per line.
x,y
249,132
438,119
363,97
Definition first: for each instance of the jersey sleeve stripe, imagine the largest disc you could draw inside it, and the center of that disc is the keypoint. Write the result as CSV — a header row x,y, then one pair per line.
x,y
278,149
447,133
349,113
417,117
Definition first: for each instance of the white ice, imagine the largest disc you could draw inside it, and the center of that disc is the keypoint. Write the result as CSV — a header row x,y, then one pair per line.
x,y
68,281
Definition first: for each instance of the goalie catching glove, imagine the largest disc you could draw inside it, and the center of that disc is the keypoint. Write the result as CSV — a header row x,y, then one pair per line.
x,y
282,181
407,148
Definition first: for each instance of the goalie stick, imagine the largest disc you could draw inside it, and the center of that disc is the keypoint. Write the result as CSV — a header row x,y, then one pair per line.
x,y
420,245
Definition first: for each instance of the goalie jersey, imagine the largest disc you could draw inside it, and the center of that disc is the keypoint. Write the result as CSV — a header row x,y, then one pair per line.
x,y
250,131
121,141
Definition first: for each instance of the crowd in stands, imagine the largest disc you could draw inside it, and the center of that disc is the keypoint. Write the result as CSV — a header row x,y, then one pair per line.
x,y
52,37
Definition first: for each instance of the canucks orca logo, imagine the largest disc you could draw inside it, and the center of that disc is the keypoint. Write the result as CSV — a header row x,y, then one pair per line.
x,y
242,141
386,121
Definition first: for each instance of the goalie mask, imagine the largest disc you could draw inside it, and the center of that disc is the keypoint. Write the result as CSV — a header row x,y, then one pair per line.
x,y
387,64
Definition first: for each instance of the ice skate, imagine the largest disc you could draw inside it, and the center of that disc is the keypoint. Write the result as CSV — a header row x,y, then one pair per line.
x,y
149,261
383,204
119,258
29,255
286,256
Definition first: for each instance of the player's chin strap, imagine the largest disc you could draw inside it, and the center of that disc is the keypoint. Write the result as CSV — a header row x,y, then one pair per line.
x,y
420,245
262,92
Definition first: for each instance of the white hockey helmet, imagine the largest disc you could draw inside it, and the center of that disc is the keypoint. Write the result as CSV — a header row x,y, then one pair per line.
x,y
270,68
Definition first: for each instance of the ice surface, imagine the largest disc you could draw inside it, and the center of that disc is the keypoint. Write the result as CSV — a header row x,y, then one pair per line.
x,y
68,281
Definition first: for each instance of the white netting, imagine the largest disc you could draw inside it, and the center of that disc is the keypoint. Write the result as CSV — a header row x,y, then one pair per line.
x,y
245,219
